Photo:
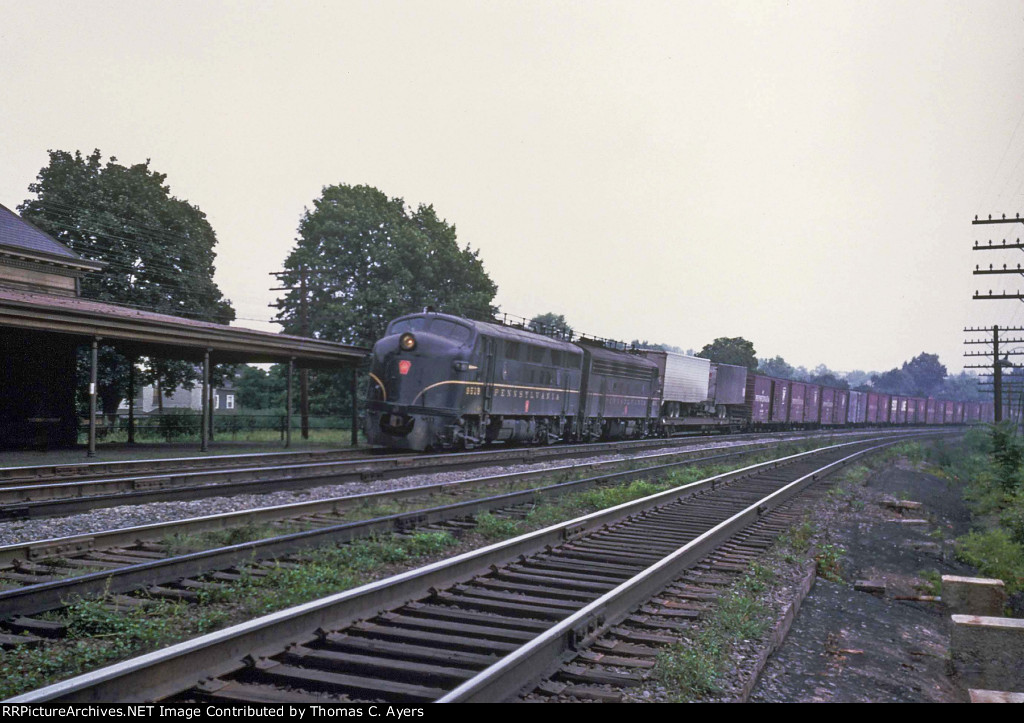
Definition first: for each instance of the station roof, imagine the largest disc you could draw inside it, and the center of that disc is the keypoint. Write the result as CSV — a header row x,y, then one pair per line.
x,y
135,331
19,238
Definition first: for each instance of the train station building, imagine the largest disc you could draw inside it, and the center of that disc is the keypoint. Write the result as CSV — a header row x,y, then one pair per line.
x,y
44,320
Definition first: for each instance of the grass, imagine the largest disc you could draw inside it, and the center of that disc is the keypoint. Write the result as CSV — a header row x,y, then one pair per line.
x,y
828,562
98,635
996,554
931,582
988,465
693,668
180,544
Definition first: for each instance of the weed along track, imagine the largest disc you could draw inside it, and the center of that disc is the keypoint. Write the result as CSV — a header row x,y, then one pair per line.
x,y
485,623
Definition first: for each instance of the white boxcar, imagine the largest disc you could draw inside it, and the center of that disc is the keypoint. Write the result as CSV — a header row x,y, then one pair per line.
x,y
728,384
681,378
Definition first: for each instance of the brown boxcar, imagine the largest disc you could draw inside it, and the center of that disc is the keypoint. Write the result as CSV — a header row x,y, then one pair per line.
x,y
797,395
842,403
812,404
780,399
901,410
920,410
828,404
759,399
857,409
872,413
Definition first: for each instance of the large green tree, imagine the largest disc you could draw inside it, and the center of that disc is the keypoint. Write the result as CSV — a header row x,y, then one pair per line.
x,y
157,250
776,367
551,323
362,259
731,350
922,376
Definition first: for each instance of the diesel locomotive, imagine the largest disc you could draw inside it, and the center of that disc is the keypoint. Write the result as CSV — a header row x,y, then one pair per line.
x,y
441,382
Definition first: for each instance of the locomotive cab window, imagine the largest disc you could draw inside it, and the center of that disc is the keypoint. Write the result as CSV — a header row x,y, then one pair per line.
x,y
400,327
455,332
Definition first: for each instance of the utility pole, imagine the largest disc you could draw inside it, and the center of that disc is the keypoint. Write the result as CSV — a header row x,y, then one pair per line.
x,y
998,363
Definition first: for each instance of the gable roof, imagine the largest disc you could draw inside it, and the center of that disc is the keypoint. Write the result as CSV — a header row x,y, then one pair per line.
x,y
18,235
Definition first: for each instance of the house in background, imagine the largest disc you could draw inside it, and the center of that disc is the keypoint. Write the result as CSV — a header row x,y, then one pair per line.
x,y
148,402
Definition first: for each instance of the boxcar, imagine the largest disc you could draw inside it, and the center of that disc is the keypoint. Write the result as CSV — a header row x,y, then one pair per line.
x,y
758,399
883,409
812,404
828,404
842,403
780,400
857,410
797,395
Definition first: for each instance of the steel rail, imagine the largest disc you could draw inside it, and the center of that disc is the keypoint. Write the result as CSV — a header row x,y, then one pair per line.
x,y
82,543
34,475
169,671
64,498
44,596
79,471
536,658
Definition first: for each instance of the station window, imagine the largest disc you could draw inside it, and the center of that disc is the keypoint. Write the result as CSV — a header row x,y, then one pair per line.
x,y
229,401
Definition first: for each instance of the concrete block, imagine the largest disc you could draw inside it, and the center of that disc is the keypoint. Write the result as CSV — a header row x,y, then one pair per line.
x,y
902,505
995,696
988,652
871,586
973,595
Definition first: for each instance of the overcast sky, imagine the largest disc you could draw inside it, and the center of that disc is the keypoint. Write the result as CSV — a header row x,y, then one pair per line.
x,y
803,174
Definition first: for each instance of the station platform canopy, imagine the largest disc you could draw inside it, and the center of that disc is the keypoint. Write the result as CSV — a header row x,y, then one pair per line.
x,y
137,332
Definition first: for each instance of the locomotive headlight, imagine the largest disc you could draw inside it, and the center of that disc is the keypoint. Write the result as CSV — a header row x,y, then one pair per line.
x,y
463,366
407,342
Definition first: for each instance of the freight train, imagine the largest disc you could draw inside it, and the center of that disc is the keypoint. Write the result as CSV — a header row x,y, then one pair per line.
x,y
441,382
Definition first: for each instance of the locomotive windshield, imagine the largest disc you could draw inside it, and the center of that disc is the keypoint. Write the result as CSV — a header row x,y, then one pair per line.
x,y
441,327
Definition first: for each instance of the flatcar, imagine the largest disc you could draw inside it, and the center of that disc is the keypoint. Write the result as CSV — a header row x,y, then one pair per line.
x,y
441,382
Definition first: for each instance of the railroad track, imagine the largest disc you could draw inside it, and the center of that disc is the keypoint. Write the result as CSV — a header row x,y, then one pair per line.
x,y
42,576
478,626
60,498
